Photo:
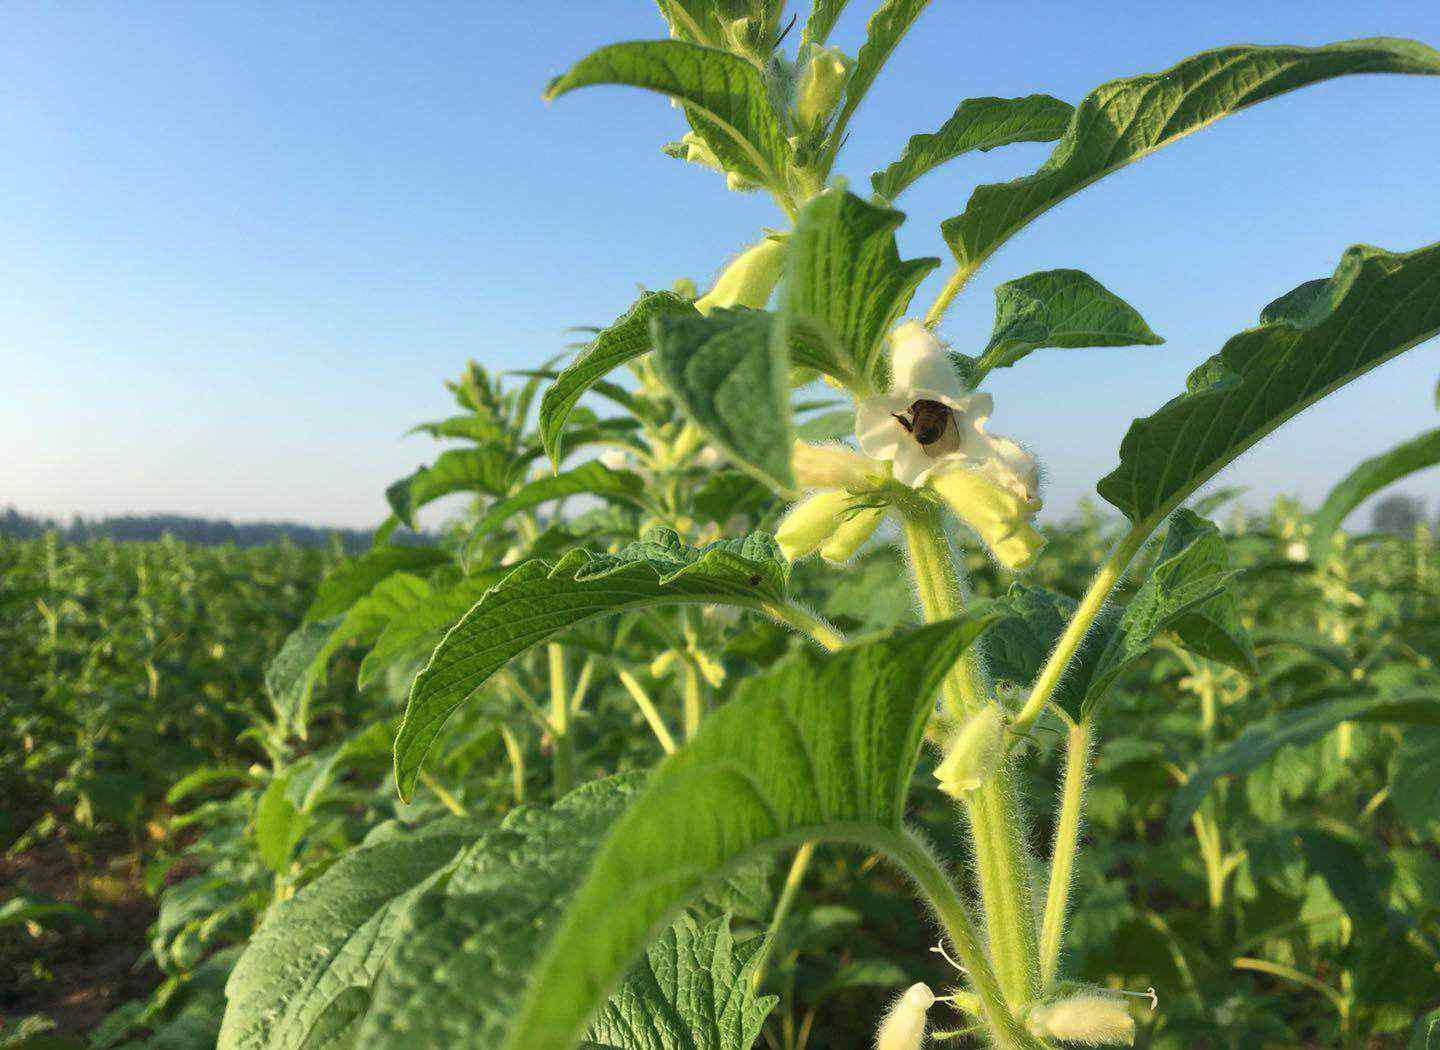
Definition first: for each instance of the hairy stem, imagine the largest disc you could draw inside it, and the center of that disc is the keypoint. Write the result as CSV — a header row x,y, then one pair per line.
x,y
806,622
1067,842
647,708
952,288
793,880
995,819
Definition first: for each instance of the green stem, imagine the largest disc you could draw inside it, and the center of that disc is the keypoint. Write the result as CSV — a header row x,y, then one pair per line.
x,y
952,288
517,761
1079,625
693,700
806,622
648,709
564,755
793,879
1062,857
995,819
448,800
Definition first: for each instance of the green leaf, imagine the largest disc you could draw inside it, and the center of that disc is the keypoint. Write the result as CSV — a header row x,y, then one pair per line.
x,y
490,471
352,580
471,427
416,634
730,374
368,618
537,601
334,935
1311,342
591,478
1061,308
291,677
1124,120
724,95
1415,782
1295,727
846,285
279,824
977,124
626,339
883,33
823,16
691,991
1365,480
819,747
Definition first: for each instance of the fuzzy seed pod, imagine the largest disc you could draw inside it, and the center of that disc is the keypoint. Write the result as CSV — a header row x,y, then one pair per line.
x,y
903,1027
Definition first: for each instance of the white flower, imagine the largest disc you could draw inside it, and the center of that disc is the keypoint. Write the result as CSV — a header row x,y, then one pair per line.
x,y
903,1026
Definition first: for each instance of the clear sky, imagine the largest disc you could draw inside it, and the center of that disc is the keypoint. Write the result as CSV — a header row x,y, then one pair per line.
x,y
242,244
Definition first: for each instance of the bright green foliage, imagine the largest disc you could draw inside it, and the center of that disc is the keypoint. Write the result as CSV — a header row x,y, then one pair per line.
x,y
818,747
592,478
691,991
626,339
1314,340
1062,308
490,471
977,124
1127,119
279,823
730,374
538,600
846,286
823,15
413,636
1365,480
352,580
724,95
1295,727
887,27
334,937
292,675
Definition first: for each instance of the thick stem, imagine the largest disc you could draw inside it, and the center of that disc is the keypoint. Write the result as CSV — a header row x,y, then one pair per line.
x,y
1062,857
564,754
793,880
995,820
1079,625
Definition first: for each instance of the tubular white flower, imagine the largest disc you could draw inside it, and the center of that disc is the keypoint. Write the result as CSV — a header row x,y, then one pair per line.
x,y
903,1027
1089,1018
833,467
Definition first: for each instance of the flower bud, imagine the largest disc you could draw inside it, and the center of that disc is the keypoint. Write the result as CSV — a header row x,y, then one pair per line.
x,y
854,530
832,467
748,280
975,752
903,1027
697,151
811,523
821,82
999,514
1090,1019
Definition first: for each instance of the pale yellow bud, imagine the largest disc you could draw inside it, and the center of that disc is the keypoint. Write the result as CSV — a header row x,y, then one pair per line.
x,y
1090,1019
975,752
853,531
999,514
832,467
903,1027
748,280
697,151
821,83
811,523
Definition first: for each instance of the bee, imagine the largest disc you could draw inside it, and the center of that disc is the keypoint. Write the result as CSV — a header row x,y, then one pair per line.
x,y
931,424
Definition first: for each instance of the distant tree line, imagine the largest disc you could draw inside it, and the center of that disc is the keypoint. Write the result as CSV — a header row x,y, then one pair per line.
x,y
14,524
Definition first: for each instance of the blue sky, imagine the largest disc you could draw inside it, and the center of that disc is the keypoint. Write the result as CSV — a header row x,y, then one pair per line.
x,y
243,244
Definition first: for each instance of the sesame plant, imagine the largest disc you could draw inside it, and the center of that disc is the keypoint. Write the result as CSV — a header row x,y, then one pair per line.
x,y
605,913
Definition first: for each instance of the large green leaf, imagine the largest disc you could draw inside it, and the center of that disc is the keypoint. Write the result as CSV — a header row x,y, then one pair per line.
x,y
537,601
1061,308
1299,726
490,471
394,596
413,637
819,747
1365,480
977,124
334,936
1127,119
691,991
724,95
626,339
591,478
292,675
730,373
1309,343
352,580
846,285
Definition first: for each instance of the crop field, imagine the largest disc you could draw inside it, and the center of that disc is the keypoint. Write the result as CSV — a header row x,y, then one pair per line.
x,y
745,700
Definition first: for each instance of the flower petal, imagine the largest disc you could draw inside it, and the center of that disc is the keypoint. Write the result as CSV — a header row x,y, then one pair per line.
x,y
1000,515
833,467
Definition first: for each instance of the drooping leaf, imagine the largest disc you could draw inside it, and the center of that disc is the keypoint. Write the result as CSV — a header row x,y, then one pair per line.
x,y
887,27
626,339
537,601
1124,120
1313,341
977,124
1365,480
725,98
415,635
691,991
335,935
730,374
1298,726
818,747
591,478
354,579
846,285
290,678
490,471
1061,308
